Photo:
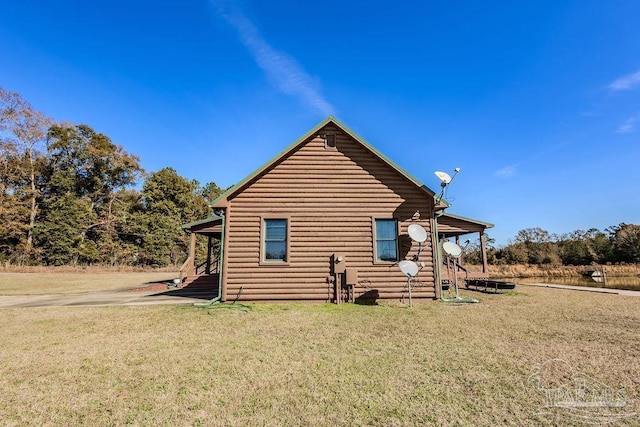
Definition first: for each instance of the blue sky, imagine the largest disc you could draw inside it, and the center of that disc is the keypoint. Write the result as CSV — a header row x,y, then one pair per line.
x,y
538,102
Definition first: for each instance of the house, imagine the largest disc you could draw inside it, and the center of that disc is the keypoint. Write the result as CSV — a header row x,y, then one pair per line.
x,y
325,220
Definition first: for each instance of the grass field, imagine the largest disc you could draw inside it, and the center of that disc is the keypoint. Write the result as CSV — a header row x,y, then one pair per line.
x,y
306,364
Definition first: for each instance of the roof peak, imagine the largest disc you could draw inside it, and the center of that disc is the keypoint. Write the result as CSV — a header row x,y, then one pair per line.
x,y
220,201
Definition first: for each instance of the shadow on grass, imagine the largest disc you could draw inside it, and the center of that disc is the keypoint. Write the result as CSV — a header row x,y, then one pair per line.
x,y
510,293
157,282
368,298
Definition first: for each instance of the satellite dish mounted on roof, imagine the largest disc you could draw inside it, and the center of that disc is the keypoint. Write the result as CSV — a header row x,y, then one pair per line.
x,y
443,177
445,180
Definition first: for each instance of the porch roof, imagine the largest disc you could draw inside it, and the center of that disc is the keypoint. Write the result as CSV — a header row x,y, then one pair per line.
x,y
207,226
451,225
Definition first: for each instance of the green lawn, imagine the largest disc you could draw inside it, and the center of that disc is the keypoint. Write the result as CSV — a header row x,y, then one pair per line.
x,y
306,364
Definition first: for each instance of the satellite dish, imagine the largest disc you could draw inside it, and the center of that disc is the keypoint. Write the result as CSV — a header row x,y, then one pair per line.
x,y
452,249
444,177
417,233
409,268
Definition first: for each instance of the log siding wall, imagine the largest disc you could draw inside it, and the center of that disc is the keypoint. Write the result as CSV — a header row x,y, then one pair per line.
x,y
330,198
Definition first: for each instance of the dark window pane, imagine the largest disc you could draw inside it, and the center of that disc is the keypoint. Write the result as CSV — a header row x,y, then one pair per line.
x,y
387,251
386,240
276,251
386,229
275,241
276,229
330,141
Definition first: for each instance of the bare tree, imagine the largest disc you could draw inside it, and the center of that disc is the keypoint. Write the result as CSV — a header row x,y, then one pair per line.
x,y
22,136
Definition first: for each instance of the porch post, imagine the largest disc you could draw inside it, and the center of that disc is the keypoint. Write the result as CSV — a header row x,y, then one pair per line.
x,y
208,267
483,249
223,252
436,255
192,253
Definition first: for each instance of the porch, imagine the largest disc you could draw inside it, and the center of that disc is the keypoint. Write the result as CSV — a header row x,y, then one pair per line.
x,y
203,271
454,227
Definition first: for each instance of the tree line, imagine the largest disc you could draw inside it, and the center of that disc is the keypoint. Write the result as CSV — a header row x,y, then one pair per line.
x,y
615,245
70,196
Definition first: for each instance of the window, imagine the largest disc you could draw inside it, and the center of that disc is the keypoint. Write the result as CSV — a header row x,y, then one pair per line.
x,y
275,240
386,235
330,141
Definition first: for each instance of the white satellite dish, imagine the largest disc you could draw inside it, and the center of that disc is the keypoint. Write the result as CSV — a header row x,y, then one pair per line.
x,y
444,177
452,249
417,233
409,268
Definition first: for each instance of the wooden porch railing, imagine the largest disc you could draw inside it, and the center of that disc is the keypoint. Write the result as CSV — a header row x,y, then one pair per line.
x,y
187,269
200,268
449,273
462,273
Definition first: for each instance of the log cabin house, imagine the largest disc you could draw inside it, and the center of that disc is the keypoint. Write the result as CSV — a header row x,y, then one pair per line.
x,y
325,220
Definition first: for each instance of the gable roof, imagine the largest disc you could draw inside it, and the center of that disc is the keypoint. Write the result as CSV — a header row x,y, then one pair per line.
x,y
213,219
221,200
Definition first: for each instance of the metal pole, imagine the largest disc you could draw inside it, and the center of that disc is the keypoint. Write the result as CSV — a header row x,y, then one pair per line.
x,y
437,253
455,277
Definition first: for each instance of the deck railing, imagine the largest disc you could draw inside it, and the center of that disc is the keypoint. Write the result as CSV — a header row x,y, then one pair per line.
x,y
462,272
201,268
187,269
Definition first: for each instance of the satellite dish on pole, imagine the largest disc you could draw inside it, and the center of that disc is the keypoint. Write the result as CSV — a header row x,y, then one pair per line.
x,y
417,233
453,250
409,268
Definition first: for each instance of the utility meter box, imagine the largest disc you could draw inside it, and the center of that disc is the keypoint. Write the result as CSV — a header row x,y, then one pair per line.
x,y
338,264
